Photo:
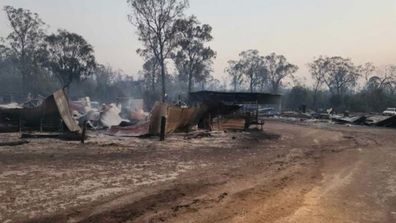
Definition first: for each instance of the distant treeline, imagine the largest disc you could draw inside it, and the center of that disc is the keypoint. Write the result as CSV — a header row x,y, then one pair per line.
x,y
177,60
33,63
335,82
367,100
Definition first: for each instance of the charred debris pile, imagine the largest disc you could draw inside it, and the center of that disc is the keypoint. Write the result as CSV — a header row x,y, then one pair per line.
x,y
346,118
57,116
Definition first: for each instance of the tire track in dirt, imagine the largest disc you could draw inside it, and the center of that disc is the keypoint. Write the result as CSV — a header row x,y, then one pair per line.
x,y
300,177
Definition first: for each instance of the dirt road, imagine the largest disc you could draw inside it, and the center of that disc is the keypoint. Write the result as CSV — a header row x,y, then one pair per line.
x,y
288,173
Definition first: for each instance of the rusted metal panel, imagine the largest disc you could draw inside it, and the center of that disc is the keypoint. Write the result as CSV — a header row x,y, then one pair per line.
x,y
230,124
159,110
177,118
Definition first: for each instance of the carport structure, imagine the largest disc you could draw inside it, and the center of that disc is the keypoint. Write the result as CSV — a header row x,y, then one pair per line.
x,y
238,98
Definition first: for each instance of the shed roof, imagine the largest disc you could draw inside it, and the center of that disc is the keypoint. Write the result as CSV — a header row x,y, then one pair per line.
x,y
235,97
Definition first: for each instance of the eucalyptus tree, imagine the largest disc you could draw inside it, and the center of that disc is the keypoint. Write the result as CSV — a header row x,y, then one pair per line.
x,y
341,75
204,75
278,68
24,42
70,57
252,66
385,79
154,21
234,69
151,73
367,70
193,58
318,69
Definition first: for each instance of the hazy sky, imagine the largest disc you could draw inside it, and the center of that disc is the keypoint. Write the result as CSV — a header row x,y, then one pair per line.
x,y
364,30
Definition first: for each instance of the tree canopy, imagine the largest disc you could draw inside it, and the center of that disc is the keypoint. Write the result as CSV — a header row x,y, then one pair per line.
x,y
24,41
70,57
278,68
193,58
234,70
260,72
154,21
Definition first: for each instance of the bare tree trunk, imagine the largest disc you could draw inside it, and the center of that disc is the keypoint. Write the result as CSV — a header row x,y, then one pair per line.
x,y
251,85
153,83
24,82
25,73
189,82
235,84
163,90
315,99
275,89
153,78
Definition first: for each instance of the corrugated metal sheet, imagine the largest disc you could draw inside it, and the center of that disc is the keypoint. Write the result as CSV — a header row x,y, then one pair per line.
x,y
48,115
64,111
159,110
176,118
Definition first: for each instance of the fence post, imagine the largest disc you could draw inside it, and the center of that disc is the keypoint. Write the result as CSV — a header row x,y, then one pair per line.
x,y
163,128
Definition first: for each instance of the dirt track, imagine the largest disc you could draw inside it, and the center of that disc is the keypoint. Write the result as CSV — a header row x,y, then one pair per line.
x,y
288,173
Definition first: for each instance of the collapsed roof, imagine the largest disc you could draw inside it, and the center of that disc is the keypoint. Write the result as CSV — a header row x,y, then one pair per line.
x,y
53,112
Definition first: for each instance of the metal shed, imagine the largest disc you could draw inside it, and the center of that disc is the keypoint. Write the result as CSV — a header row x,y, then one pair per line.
x,y
235,97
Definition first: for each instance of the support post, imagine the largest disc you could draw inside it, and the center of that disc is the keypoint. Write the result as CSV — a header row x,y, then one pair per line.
x,y
218,119
41,124
61,127
84,131
163,128
257,111
20,125
210,123
280,105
